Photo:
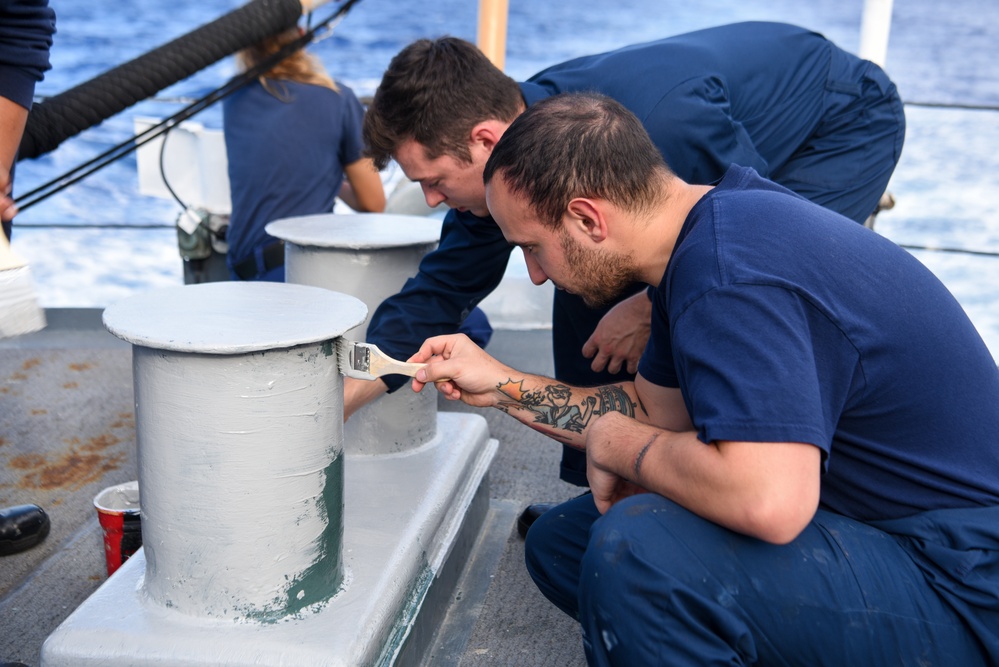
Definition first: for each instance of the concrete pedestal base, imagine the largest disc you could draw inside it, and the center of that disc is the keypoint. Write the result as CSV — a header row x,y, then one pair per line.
x,y
409,522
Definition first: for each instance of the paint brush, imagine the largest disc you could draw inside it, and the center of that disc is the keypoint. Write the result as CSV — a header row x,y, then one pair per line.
x,y
19,309
365,361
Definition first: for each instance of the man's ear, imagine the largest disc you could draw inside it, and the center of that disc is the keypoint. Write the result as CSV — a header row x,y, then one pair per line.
x,y
587,216
487,133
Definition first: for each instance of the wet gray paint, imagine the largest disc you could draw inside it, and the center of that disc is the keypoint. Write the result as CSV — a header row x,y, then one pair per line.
x,y
225,479
403,513
240,445
369,256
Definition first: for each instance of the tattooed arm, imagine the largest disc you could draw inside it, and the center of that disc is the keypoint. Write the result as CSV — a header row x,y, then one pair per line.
x,y
638,437
562,412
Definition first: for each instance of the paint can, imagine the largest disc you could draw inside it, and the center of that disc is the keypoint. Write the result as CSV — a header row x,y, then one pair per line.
x,y
118,513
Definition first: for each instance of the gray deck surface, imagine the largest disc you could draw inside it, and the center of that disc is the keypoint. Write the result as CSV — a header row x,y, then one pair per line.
x,y
67,430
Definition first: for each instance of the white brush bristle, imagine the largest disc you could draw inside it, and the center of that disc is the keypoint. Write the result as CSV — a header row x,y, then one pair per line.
x,y
19,309
343,352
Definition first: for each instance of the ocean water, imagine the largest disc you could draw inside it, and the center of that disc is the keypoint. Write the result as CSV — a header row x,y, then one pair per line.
x,y
946,183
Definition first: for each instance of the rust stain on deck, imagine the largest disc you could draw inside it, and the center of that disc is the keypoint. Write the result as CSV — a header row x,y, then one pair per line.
x,y
71,385
26,461
31,363
125,420
83,463
81,367
101,442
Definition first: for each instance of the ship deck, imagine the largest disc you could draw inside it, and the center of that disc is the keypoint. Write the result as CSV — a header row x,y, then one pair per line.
x,y
67,430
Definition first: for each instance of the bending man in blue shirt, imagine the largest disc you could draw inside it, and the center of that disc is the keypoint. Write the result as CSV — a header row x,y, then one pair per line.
x,y
775,97
803,470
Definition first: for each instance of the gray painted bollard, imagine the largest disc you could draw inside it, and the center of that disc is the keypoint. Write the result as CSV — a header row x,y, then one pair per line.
x,y
369,256
239,408
251,555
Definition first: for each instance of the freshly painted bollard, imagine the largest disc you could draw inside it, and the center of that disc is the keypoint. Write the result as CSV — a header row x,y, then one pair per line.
x,y
239,407
369,256
250,554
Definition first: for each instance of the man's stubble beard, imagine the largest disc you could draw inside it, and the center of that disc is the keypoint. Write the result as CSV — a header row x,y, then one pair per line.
x,y
598,277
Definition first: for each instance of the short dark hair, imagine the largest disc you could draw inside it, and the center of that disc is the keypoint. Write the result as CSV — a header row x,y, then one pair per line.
x,y
578,145
435,92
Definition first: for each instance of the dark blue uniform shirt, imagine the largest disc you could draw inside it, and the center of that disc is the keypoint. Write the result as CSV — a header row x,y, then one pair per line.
x,y
756,94
781,322
286,155
26,29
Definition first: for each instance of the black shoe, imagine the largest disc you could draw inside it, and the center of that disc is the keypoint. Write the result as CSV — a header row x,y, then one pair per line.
x,y
22,527
530,515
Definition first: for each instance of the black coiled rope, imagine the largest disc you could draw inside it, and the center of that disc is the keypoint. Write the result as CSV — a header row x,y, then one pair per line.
x,y
65,115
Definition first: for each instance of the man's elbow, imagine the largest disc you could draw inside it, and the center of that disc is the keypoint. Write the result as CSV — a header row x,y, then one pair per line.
x,y
777,522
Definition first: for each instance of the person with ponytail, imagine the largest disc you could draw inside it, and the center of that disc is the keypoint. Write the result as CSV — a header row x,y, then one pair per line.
x,y
293,143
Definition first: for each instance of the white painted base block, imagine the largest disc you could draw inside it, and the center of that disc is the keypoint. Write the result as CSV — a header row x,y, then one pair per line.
x,y
402,515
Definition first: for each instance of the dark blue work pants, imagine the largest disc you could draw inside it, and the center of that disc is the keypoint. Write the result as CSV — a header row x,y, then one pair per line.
x,y
846,163
653,584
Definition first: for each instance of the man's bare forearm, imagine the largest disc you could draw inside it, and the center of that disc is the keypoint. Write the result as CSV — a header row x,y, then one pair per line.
x,y
462,371
563,412
12,120
358,393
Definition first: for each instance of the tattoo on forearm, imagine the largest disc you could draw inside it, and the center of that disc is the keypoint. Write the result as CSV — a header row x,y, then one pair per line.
x,y
553,405
614,398
641,457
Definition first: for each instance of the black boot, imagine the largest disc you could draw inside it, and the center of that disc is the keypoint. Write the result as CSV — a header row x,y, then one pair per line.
x,y
22,527
530,515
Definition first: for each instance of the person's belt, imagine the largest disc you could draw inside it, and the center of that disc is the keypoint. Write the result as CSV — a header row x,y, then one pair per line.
x,y
273,257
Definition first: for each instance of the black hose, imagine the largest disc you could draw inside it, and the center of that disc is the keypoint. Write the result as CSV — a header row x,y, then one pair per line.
x,y
65,115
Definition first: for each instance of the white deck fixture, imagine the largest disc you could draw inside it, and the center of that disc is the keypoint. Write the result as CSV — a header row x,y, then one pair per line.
x,y
875,27
370,256
238,401
264,542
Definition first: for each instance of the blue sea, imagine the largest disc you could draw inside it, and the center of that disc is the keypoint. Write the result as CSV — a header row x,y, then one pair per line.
x,y
946,185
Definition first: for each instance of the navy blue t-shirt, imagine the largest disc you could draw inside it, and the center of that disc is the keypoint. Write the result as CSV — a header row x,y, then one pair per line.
x,y
781,321
746,93
286,155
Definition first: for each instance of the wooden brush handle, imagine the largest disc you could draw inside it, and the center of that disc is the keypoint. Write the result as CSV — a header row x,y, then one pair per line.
x,y
382,367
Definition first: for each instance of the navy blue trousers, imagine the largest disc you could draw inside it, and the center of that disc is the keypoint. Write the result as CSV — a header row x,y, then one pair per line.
x,y
846,164
653,584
